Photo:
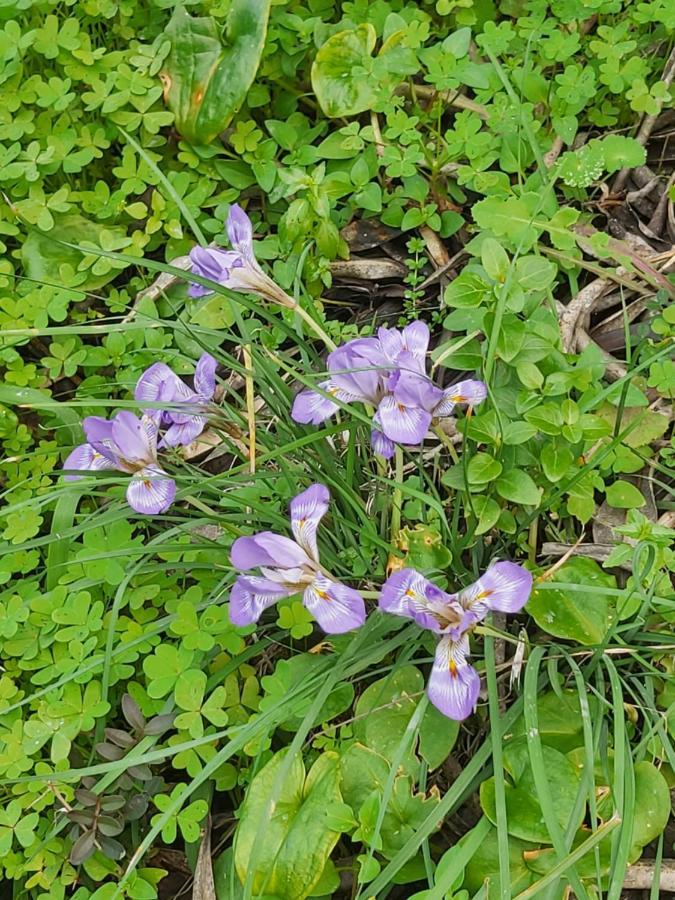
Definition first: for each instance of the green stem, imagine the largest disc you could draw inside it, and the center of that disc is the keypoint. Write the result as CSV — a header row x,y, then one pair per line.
x,y
314,326
447,443
397,497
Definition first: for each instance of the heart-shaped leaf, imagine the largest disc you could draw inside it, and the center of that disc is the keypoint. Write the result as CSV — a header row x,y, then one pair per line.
x,y
206,81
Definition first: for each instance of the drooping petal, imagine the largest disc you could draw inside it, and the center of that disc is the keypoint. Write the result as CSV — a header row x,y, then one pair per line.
x,y
151,491
313,408
414,389
505,587
359,377
135,439
416,339
180,434
267,549
454,684
382,446
400,423
156,383
336,607
408,593
251,595
212,263
240,230
98,432
471,392
205,376
307,510
85,458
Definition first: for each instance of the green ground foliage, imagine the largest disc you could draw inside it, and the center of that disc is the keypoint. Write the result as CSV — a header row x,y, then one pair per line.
x,y
130,706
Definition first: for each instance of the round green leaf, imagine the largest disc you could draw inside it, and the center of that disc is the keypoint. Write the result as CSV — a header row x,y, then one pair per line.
x,y
524,813
576,615
624,495
340,70
518,487
483,468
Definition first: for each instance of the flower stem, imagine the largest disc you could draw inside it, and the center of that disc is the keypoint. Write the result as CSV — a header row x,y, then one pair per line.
x,y
314,326
397,496
447,443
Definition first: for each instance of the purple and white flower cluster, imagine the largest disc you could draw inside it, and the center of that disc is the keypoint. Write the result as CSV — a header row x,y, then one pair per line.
x,y
288,567
388,374
130,443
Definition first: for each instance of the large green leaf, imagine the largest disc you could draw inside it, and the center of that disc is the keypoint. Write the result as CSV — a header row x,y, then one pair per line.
x,y
560,723
524,813
206,82
45,259
287,828
576,615
347,79
383,711
485,865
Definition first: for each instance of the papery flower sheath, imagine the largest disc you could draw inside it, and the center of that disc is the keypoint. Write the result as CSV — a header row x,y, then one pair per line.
x,y
454,684
129,444
237,269
387,372
184,418
289,567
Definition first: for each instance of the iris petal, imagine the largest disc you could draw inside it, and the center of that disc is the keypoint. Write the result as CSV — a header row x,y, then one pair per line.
x,y
454,684
267,549
251,595
336,607
408,593
151,492
307,510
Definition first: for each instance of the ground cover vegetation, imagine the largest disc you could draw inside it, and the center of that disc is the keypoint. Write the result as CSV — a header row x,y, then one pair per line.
x,y
337,453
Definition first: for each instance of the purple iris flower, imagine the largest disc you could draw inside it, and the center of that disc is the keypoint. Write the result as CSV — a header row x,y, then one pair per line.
x,y
292,566
236,269
129,444
454,683
184,417
388,373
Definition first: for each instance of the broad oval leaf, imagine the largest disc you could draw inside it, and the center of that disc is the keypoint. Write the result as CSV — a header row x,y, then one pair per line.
x,y
578,615
206,82
286,832
340,69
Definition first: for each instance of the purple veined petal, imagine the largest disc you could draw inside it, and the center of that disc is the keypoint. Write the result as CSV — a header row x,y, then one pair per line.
x,y
205,376
180,434
381,444
416,339
413,340
87,459
391,341
212,263
408,593
505,587
240,230
151,491
336,607
307,510
313,408
358,377
402,424
135,439
414,389
98,432
267,549
471,392
156,383
251,595
454,684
